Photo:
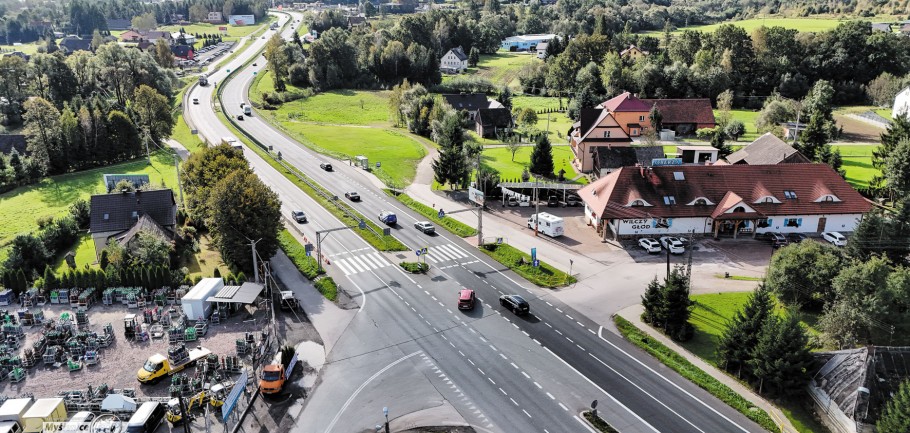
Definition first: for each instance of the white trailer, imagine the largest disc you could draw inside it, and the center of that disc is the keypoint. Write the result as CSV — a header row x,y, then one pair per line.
x,y
195,304
13,409
548,224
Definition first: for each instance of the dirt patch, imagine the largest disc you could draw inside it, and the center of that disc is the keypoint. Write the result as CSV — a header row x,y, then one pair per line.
x,y
858,131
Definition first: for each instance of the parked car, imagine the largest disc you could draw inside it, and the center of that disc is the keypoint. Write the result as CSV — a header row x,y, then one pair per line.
x,y
387,217
512,201
466,299
672,244
650,245
254,64
352,196
325,166
553,201
835,238
515,304
573,200
425,226
777,240
299,216
796,237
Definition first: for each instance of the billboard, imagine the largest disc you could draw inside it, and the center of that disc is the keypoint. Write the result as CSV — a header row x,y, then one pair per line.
x,y
241,20
475,195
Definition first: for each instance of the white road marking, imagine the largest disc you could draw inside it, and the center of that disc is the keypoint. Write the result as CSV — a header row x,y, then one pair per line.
x,y
563,406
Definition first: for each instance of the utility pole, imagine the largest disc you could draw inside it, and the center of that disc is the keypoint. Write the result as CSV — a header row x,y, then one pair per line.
x,y
479,211
179,185
255,264
536,206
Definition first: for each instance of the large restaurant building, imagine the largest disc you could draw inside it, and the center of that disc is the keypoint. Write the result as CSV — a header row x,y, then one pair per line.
x,y
722,200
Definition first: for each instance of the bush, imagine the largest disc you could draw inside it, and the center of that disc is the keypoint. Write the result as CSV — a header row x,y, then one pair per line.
x,y
327,287
297,253
466,84
415,267
544,275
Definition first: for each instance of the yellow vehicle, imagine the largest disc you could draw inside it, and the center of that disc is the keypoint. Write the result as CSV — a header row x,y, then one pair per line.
x,y
158,366
215,397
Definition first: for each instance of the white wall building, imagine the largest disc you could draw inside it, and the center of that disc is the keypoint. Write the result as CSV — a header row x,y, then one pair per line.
x,y
722,200
454,61
901,104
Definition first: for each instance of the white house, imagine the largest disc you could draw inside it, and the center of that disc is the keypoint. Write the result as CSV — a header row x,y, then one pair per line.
x,y
454,61
722,200
901,104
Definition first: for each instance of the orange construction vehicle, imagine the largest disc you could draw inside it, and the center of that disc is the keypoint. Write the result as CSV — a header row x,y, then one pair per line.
x,y
272,379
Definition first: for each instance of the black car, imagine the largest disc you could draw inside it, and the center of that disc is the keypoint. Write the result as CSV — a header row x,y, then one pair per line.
x,y
239,117
776,239
325,166
553,201
573,200
515,304
796,237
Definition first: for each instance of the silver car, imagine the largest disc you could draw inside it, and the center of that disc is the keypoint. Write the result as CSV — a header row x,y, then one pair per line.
x,y
425,226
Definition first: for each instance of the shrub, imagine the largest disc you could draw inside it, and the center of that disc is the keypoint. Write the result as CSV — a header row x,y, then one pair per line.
x,y
414,267
327,287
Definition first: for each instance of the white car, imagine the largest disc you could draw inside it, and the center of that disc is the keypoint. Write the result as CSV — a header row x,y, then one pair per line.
x,y
672,244
835,238
650,245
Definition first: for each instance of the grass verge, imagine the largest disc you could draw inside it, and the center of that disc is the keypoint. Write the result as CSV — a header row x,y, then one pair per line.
x,y
543,275
297,253
414,267
737,277
696,375
457,228
327,287
599,423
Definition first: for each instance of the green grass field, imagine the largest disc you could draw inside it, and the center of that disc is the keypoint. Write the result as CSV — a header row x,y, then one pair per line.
x,y
342,107
501,68
858,164
398,153
500,159
748,118
52,196
801,24
183,135
85,254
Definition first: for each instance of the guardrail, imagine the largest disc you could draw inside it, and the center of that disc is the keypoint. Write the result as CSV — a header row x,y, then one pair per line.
x,y
293,170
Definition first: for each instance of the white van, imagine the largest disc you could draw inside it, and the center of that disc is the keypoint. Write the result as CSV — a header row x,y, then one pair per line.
x,y
247,110
549,224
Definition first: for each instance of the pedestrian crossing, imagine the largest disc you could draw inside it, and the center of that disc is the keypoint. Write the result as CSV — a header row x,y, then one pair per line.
x,y
361,263
443,253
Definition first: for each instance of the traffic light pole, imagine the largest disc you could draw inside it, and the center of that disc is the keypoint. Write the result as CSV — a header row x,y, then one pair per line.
x,y
319,234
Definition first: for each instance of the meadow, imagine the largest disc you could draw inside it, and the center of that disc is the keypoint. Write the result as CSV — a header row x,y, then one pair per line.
x,y
801,24
501,68
500,159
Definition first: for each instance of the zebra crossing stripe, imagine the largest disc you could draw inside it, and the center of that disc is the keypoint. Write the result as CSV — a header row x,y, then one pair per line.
x,y
344,267
361,262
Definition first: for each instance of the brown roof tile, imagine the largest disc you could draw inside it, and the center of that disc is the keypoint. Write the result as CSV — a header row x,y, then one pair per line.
x,y
676,111
625,102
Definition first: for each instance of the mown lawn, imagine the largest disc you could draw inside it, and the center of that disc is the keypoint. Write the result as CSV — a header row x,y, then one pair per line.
x,y
21,207
233,32
343,107
183,136
801,24
397,153
84,249
500,159
748,118
858,164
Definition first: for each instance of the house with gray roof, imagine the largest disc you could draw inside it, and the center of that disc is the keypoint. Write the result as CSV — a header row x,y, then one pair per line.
x,y
454,61
470,102
767,150
122,215
492,121
607,159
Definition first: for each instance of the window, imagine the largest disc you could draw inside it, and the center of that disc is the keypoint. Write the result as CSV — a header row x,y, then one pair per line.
x,y
769,200
669,200
793,222
829,198
107,216
606,134
634,131
641,118
678,175
790,194
701,202
135,214
739,209
637,203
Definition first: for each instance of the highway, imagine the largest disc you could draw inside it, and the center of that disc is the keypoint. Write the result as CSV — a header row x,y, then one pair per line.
x,y
410,349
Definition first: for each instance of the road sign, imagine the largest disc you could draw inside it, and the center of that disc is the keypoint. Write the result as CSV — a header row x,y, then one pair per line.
x,y
362,225
533,253
594,404
441,214
309,249
536,263
232,398
378,164
386,231
418,252
498,241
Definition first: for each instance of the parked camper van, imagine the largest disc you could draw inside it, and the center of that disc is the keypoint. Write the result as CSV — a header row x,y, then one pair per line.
x,y
550,225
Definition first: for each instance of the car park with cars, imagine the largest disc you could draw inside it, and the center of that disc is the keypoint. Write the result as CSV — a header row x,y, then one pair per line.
x,y
796,238
672,244
650,245
777,240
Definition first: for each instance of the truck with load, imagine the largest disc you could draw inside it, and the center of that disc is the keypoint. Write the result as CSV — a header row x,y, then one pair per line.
x,y
275,374
11,413
159,366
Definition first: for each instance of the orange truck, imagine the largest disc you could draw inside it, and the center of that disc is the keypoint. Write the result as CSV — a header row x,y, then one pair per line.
x,y
272,378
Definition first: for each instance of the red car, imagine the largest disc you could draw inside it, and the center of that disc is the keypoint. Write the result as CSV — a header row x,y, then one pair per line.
x,y
466,299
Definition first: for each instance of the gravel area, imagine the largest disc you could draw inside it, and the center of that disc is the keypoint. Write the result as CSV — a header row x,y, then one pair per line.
x,y
120,361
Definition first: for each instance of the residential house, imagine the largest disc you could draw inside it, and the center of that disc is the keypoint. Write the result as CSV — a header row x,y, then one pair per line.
x,y
633,53
18,54
610,159
454,61
354,21
684,116
542,50
696,154
116,24
490,122
470,102
882,27
851,387
792,129
71,44
901,104
631,113
525,42
722,200
184,52
122,215
595,128
767,150
150,36
130,36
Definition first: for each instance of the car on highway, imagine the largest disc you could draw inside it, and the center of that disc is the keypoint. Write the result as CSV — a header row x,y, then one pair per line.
x,y
466,299
388,217
298,216
777,240
672,244
650,245
425,226
195,101
515,304
796,238
239,117
325,166
835,238
352,196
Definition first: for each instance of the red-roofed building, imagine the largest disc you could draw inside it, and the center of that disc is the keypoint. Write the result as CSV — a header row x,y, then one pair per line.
x,y
684,116
722,200
630,112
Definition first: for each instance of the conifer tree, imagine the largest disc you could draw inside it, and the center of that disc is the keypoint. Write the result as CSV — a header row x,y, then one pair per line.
x,y
542,157
781,359
652,301
741,335
896,416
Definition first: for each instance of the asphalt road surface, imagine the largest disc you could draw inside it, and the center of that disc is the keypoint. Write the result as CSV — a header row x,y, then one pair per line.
x,y
409,349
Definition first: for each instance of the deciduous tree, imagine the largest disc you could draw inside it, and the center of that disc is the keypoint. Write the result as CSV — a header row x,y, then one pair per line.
x,y
244,209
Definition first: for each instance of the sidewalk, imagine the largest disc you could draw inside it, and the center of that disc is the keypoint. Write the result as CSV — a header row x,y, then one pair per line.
x,y
633,315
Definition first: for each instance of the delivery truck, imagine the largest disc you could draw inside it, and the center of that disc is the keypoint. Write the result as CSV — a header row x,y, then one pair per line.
x,y
42,411
158,366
